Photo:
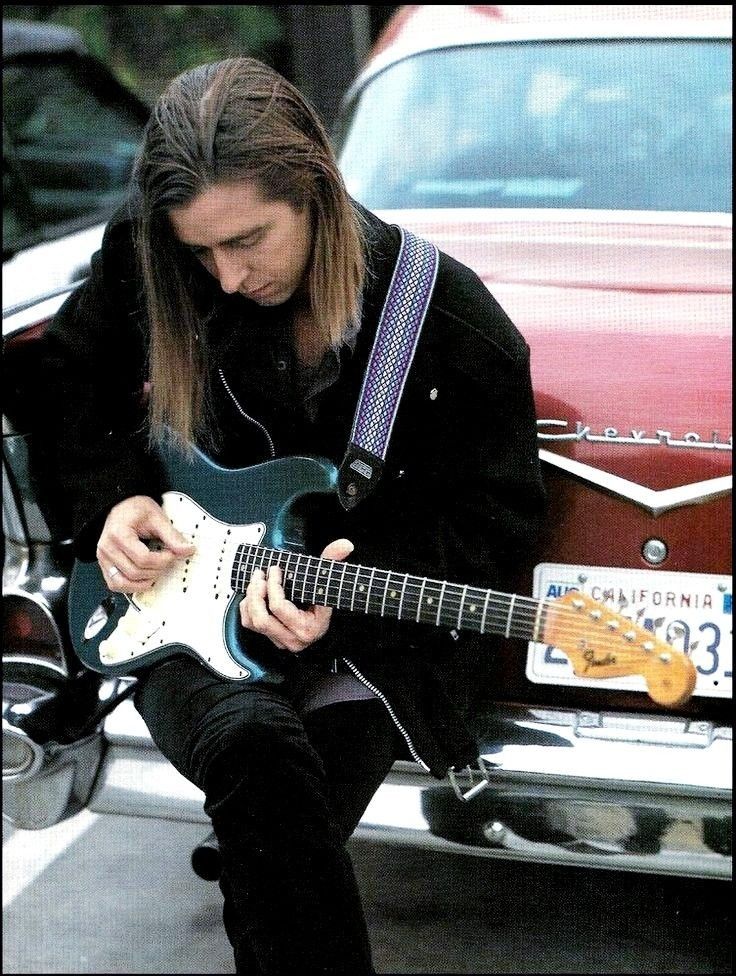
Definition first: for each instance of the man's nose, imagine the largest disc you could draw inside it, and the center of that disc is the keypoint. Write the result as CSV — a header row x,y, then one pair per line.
x,y
230,268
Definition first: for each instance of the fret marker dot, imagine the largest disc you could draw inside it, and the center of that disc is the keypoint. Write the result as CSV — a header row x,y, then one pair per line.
x,y
472,608
394,594
320,591
324,572
430,599
361,588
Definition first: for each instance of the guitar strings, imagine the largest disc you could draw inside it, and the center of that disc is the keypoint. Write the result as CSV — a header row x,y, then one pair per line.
x,y
529,614
312,574
261,557
524,611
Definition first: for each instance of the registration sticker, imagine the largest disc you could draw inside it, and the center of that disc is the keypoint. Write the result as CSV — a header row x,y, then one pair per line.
x,y
691,611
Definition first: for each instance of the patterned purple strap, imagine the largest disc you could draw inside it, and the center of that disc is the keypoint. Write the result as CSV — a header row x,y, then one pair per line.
x,y
393,351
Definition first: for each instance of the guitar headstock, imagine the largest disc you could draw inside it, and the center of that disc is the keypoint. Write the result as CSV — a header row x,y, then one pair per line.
x,y
601,643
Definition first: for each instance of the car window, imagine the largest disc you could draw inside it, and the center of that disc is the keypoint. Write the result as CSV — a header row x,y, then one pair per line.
x,y
631,125
72,149
18,217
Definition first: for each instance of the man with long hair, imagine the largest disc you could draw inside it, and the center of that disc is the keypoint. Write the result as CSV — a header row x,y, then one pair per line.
x,y
233,306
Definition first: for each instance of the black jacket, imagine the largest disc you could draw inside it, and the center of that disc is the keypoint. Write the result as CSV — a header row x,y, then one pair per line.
x,y
461,497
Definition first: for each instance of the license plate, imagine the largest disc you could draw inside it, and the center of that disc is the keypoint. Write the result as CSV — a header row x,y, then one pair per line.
x,y
691,611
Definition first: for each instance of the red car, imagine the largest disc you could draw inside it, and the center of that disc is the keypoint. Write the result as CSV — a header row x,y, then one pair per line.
x,y
580,162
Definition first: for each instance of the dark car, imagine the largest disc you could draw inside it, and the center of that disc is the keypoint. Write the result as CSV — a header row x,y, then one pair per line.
x,y
70,134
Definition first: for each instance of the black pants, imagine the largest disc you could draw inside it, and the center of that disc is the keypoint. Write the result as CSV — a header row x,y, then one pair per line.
x,y
284,793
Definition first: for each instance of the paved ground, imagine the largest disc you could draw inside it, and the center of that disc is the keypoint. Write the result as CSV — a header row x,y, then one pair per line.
x,y
116,894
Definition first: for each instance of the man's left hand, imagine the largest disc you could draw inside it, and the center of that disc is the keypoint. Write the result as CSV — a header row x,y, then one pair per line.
x,y
266,610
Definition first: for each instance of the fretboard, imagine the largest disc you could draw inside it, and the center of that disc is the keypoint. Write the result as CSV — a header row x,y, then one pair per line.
x,y
365,589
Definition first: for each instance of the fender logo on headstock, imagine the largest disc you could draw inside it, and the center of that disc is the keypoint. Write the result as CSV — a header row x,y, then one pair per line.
x,y
594,662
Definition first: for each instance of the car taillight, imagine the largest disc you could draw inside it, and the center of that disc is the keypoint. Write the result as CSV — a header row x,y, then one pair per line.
x,y
28,630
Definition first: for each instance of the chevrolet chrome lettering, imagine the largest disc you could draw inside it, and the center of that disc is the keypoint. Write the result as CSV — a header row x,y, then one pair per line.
x,y
611,435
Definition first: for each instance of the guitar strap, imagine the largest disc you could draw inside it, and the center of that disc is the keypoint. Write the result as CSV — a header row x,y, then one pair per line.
x,y
398,332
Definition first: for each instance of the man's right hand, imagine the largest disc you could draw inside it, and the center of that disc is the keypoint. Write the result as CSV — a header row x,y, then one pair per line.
x,y
127,563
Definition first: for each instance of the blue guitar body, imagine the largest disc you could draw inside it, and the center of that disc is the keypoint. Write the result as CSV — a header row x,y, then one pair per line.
x,y
194,608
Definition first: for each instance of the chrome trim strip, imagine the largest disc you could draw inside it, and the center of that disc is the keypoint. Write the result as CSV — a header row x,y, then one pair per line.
x,y
649,753
663,804
599,828
653,501
23,306
632,752
17,318
692,858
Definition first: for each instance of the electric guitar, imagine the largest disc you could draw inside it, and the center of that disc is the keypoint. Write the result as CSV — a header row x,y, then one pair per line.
x,y
243,519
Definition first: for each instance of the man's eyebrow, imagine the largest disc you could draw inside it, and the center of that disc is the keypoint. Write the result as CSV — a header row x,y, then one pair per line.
x,y
250,232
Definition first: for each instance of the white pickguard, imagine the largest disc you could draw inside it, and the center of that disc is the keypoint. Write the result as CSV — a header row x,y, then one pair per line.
x,y
189,603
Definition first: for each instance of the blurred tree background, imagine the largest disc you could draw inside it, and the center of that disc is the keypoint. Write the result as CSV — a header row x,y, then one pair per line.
x,y
318,47
147,44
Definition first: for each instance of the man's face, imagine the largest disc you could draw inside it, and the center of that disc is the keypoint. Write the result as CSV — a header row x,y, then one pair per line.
x,y
252,246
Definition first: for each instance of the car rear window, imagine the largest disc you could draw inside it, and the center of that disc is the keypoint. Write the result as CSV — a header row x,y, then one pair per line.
x,y
622,125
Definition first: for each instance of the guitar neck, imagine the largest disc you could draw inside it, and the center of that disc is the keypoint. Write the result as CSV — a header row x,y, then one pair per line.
x,y
365,589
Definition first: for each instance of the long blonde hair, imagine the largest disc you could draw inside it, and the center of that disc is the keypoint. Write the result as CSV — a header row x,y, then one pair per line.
x,y
232,120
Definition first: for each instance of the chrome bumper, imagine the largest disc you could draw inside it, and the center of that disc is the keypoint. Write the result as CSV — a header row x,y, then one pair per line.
x,y
627,792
